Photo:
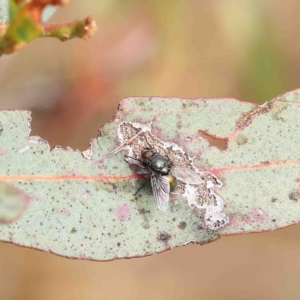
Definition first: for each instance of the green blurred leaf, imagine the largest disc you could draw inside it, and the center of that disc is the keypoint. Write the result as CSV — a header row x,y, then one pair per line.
x,y
262,75
13,9
25,25
23,29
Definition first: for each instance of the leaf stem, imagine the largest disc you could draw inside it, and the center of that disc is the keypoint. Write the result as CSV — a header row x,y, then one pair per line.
x,y
65,31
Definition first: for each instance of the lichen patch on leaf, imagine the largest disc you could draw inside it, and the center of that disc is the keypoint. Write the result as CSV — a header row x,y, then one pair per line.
x,y
201,196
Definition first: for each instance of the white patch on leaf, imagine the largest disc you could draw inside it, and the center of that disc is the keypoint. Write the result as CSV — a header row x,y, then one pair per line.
x,y
24,149
132,137
88,154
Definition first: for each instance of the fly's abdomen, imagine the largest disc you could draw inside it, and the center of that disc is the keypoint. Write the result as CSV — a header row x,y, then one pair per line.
x,y
172,181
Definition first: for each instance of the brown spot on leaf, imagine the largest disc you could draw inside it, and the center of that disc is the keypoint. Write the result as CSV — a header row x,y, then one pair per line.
x,y
73,230
294,195
143,211
163,236
179,125
181,225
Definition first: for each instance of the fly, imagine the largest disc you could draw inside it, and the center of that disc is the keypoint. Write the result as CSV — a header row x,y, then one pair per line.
x,y
164,174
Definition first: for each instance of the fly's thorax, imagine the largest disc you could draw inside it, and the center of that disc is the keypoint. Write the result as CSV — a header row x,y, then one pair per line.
x,y
158,164
172,181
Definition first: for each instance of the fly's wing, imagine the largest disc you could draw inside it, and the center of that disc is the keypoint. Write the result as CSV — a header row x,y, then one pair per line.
x,y
186,175
161,190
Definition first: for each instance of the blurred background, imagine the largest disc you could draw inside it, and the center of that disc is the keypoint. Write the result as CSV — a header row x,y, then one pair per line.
x,y
189,49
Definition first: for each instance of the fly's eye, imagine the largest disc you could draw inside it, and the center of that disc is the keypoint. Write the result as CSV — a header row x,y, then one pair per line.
x,y
146,154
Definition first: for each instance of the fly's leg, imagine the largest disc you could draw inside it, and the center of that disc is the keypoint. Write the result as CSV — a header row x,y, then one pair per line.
x,y
144,168
140,188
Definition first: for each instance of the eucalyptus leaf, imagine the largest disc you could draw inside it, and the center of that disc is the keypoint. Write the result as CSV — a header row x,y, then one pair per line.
x,y
83,204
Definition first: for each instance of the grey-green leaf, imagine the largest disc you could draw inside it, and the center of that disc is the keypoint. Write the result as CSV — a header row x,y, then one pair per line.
x,y
83,205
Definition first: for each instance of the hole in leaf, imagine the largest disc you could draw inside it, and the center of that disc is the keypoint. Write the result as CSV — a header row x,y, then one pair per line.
x,y
213,140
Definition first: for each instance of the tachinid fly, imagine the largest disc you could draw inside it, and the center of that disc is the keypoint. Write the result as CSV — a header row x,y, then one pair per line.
x,y
164,174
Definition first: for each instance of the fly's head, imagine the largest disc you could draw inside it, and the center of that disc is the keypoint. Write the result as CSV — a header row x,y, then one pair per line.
x,y
147,152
